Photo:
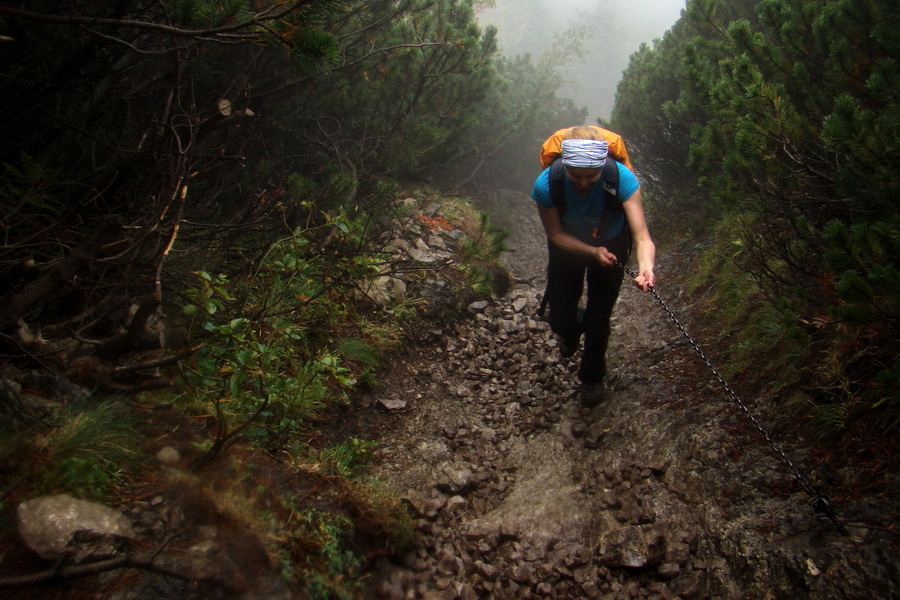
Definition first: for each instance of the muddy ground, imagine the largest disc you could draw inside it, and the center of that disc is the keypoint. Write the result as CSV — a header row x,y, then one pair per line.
x,y
666,490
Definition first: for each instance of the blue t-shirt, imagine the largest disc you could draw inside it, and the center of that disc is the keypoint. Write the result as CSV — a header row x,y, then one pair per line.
x,y
583,215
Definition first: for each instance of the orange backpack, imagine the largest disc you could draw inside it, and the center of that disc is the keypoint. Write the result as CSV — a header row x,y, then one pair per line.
x,y
553,146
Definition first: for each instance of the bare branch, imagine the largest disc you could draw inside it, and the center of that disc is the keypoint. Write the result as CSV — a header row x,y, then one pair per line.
x,y
153,364
104,566
209,33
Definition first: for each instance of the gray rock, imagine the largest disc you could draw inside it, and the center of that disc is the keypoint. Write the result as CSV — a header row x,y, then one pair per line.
x,y
434,506
455,504
633,547
432,210
435,240
478,306
677,553
689,586
397,246
668,570
384,290
523,574
54,526
421,255
391,404
416,501
486,571
456,481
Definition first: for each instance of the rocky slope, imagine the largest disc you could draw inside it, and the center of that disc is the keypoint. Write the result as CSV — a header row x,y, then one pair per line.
x,y
666,490
663,491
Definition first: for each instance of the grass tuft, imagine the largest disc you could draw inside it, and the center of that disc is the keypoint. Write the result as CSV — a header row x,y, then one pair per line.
x,y
89,453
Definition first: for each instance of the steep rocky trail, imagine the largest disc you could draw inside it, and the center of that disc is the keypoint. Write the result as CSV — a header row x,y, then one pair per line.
x,y
663,491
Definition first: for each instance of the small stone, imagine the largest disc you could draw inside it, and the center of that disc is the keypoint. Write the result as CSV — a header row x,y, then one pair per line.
x,y
812,569
455,504
487,571
678,554
416,501
168,455
523,574
478,306
668,570
456,481
391,404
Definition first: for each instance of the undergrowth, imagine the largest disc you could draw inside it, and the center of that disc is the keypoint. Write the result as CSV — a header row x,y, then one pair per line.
x,y
312,342
276,351
755,335
806,362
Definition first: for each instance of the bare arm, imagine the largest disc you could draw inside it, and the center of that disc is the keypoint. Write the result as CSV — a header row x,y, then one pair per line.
x,y
644,248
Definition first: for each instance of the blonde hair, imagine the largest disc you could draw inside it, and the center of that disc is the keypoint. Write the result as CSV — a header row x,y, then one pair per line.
x,y
583,132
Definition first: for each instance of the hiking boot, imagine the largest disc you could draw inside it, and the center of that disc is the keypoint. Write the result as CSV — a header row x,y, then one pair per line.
x,y
592,394
567,348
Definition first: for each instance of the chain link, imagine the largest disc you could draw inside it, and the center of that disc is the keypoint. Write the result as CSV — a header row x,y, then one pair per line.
x,y
819,501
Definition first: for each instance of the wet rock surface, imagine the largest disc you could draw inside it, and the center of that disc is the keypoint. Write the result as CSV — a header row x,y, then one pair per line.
x,y
662,491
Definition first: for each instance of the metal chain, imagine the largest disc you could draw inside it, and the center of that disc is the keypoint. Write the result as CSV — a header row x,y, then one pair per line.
x,y
819,501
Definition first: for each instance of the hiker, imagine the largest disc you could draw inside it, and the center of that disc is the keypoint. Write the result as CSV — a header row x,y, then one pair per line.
x,y
590,206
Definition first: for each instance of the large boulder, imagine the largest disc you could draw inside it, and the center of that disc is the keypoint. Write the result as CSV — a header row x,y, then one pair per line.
x,y
56,526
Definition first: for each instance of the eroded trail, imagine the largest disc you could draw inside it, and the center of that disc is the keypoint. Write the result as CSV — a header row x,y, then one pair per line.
x,y
662,491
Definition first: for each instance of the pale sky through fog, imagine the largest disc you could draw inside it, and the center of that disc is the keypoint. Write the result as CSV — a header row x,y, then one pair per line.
x,y
527,26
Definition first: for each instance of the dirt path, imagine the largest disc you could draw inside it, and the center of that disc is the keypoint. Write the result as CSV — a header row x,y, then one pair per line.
x,y
663,491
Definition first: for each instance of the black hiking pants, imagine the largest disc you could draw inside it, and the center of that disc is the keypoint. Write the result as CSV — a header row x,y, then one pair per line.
x,y
566,274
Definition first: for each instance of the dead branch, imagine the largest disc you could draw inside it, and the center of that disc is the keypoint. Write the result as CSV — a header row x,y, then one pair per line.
x,y
13,402
59,572
103,566
242,28
138,337
19,303
153,364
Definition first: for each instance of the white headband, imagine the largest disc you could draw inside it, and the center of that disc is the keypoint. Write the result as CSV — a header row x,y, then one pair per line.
x,y
589,154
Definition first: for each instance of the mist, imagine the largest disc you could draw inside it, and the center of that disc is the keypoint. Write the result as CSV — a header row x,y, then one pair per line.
x,y
529,27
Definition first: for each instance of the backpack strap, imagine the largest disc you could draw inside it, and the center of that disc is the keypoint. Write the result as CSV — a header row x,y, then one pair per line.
x,y
609,178
558,185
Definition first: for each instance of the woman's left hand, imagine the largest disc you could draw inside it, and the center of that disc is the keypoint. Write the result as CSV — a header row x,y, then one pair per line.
x,y
645,279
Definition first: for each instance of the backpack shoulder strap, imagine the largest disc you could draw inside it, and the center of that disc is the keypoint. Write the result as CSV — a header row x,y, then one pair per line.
x,y
609,176
558,185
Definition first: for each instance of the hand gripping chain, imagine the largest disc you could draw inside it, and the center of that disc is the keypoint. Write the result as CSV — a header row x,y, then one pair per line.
x,y
819,501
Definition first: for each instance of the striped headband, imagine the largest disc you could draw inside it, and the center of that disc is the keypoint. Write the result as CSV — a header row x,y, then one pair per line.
x,y
589,154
